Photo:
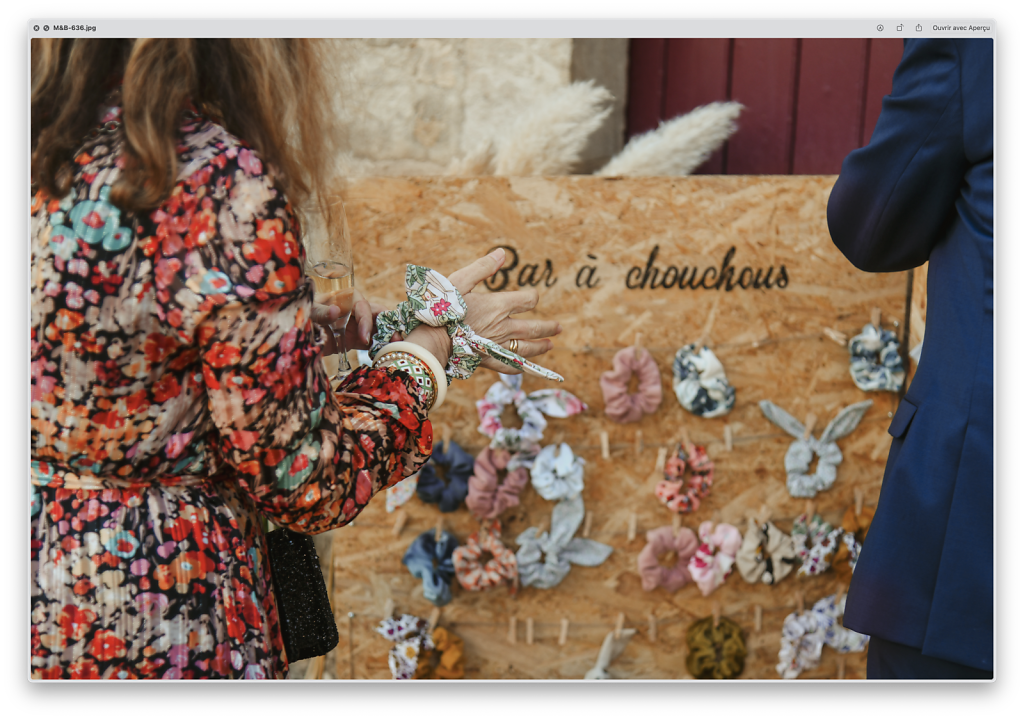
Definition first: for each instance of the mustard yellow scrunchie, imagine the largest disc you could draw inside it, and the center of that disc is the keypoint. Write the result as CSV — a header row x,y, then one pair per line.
x,y
715,652
446,661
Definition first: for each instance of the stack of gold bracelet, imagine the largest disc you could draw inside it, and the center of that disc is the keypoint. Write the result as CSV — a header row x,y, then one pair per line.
x,y
419,364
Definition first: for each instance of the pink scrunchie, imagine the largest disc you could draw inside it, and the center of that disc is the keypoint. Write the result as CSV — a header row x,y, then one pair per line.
x,y
681,497
621,406
660,541
713,561
486,498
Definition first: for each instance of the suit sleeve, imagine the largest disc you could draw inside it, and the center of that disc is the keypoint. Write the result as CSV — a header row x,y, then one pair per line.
x,y
895,196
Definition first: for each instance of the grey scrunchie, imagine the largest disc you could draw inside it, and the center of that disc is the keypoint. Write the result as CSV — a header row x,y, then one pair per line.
x,y
699,381
875,362
545,559
802,451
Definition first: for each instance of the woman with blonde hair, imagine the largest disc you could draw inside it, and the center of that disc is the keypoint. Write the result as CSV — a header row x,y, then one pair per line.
x,y
177,384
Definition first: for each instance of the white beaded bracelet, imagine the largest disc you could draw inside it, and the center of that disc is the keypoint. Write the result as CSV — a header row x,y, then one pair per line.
x,y
420,352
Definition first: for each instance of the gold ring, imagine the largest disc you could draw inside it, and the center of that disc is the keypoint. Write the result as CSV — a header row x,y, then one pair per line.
x,y
513,346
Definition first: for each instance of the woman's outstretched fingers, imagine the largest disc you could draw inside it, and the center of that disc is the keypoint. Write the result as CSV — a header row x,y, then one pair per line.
x,y
532,329
532,348
468,277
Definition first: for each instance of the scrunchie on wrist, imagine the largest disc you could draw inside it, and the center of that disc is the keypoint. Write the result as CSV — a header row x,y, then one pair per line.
x,y
699,381
683,496
501,567
875,362
487,498
457,466
619,405
713,560
557,473
661,541
431,561
715,652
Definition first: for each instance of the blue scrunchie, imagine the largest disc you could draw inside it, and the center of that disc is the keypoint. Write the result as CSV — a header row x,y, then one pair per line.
x,y
457,465
432,562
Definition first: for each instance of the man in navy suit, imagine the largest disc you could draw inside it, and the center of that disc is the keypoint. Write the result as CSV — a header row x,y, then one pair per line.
x,y
921,191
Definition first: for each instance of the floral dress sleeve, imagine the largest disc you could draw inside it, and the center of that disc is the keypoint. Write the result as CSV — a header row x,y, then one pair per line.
x,y
310,458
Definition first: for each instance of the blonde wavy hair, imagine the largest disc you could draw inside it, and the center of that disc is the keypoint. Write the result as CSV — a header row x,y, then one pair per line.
x,y
275,94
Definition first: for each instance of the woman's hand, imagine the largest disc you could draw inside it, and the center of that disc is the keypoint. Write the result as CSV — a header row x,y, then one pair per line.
x,y
360,324
488,314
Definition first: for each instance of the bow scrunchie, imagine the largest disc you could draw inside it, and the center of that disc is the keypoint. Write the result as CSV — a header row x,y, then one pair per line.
x,y
411,638
713,560
557,473
487,498
457,465
523,442
766,555
875,362
546,558
660,541
434,300
621,406
445,660
502,566
715,652
815,541
802,451
432,562
856,527
611,648
683,496
699,381
805,633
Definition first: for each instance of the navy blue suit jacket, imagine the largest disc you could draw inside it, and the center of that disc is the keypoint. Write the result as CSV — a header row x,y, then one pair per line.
x,y
920,191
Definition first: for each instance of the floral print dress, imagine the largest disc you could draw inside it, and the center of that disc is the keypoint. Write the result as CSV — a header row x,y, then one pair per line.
x,y
177,393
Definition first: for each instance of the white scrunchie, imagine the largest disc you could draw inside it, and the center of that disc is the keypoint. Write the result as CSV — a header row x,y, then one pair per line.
x,y
699,381
557,473
802,451
875,362
805,633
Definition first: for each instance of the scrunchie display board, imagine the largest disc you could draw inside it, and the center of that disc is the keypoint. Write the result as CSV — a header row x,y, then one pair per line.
x,y
557,473
805,633
457,465
715,652
875,362
431,561
411,638
523,442
445,660
619,405
802,451
501,567
683,495
766,555
815,541
713,560
488,497
545,558
661,541
699,381
856,527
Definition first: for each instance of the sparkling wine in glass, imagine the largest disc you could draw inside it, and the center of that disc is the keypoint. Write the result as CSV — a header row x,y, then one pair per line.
x,y
334,276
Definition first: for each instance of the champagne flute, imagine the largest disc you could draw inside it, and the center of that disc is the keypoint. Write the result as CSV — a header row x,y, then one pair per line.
x,y
334,274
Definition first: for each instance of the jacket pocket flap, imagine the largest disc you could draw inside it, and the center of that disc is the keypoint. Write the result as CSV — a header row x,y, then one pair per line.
x,y
901,420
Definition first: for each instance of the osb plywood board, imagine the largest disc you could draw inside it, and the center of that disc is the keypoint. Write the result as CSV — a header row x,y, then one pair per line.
x,y
567,233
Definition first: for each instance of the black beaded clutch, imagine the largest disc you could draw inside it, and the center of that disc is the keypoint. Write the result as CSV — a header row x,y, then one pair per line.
x,y
307,622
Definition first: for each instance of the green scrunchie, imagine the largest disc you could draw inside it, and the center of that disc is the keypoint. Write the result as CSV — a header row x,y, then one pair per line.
x,y
715,652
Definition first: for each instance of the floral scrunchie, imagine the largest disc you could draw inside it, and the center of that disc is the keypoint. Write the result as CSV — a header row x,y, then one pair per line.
x,y
805,633
815,541
545,558
661,541
766,555
715,652
501,567
557,473
431,561
875,362
411,638
523,442
683,496
399,494
619,405
713,560
802,451
699,381
457,465
487,498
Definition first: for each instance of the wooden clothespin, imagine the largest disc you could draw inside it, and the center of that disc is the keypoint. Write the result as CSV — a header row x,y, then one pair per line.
x,y
809,509
763,515
836,336
809,422
588,522
637,346
639,442
686,440
841,668
659,463
728,438
716,613
619,621
563,633
542,526
446,437
389,608
652,627
605,453
529,630
876,317
439,529
435,616
800,601
400,519
677,524
512,629
858,500
631,533
758,616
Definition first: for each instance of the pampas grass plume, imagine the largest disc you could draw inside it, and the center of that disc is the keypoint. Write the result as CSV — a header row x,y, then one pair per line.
x,y
676,147
547,139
